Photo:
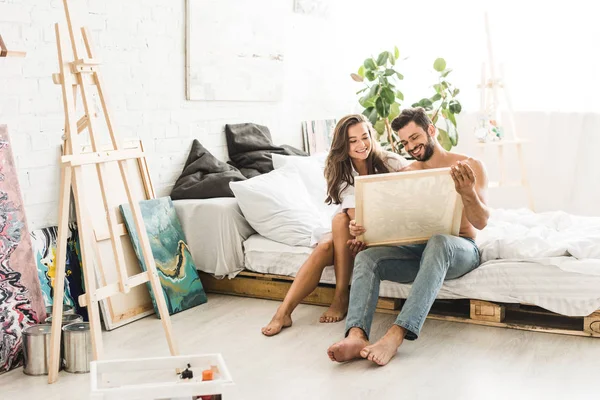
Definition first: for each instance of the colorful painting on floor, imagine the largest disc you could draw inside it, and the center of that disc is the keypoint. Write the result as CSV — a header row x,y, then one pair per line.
x,y
178,275
21,301
44,249
317,135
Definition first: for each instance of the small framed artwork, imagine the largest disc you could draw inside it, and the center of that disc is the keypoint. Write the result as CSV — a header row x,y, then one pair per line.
x,y
407,207
317,135
317,8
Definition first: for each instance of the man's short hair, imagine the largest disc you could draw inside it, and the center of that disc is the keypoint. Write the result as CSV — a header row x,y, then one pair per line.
x,y
408,115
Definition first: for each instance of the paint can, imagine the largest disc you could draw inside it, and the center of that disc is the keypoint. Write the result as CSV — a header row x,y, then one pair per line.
x,y
67,319
36,349
77,347
67,309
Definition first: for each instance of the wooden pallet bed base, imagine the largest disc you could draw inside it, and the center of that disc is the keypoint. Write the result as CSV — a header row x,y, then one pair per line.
x,y
471,311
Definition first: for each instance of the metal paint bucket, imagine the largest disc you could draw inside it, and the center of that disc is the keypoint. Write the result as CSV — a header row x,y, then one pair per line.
x,y
36,349
67,319
77,347
67,309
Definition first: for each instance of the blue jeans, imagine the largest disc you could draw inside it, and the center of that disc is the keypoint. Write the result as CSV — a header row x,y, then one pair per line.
x,y
426,265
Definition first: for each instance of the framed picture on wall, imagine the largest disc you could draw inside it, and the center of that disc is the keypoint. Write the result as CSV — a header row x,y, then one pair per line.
x,y
233,53
407,207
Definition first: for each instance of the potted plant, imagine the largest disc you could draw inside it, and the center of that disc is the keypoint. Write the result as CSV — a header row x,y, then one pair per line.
x,y
382,99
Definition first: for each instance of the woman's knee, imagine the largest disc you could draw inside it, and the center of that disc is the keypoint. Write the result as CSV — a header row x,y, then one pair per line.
x,y
340,226
325,245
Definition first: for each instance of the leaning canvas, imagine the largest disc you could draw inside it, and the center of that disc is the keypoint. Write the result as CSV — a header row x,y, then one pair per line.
x,y
318,135
44,251
21,301
407,207
176,269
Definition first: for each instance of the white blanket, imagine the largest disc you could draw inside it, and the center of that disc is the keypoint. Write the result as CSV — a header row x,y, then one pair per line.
x,y
527,236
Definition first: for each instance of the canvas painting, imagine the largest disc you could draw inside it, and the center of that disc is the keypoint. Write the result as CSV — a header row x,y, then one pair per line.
x,y
234,51
21,302
176,269
317,135
407,207
44,250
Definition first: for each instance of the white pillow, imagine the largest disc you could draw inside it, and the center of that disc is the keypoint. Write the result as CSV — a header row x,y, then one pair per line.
x,y
277,206
312,172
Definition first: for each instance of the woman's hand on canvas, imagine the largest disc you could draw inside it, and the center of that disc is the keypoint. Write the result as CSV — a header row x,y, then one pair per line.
x,y
356,246
355,229
464,177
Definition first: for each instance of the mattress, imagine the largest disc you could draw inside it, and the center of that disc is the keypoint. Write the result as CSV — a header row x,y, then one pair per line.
x,y
563,285
215,230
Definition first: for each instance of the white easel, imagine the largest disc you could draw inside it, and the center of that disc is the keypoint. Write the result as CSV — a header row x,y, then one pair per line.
x,y
80,72
489,107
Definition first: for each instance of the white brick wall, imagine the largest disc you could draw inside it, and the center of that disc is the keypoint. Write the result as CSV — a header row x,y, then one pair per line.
x,y
141,44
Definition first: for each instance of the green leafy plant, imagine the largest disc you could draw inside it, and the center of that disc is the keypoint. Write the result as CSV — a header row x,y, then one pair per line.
x,y
443,102
382,99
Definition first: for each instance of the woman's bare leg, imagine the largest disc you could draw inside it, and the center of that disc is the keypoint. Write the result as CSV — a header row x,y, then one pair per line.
x,y
305,282
342,264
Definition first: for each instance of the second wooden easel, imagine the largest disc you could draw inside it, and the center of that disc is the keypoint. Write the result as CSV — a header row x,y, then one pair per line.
x,y
489,116
81,74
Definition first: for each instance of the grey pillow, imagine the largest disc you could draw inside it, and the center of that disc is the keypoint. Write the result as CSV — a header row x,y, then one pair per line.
x,y
250,147
204,176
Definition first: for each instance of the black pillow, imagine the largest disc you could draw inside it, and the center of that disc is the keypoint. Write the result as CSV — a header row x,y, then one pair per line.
x,y
204,176
250,147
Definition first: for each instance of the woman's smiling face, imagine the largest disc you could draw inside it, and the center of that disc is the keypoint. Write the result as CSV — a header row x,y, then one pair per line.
x,y
359,141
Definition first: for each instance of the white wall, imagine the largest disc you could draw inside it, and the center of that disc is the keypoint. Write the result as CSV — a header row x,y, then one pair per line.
x,y
142,47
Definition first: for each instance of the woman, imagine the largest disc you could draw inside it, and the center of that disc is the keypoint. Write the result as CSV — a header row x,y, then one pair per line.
x,y
353,152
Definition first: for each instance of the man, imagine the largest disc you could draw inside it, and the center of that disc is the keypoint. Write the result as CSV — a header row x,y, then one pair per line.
x,y
425,265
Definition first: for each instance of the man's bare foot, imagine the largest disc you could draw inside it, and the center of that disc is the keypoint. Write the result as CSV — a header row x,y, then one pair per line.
x,y
348,348
336,311
386,348
277,324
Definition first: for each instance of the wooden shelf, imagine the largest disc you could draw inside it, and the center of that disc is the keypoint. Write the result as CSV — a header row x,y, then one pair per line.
x,y
4,52
13,54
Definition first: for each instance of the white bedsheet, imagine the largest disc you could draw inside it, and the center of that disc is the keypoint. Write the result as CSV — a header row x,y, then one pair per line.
x,y
215,230
524,235
563,285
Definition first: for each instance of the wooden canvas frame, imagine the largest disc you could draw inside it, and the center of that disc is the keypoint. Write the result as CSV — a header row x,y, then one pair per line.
x,y
416,204
119,309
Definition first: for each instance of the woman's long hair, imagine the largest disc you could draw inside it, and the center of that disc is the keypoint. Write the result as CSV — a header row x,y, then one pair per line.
x,y
338,167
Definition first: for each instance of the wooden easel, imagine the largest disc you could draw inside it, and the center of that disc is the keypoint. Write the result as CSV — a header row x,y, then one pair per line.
x,y
489,95
81,74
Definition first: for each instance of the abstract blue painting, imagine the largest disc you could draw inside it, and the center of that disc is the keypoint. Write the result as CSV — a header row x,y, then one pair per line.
x,y
177,272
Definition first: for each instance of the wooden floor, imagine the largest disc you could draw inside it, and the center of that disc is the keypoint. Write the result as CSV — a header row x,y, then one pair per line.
x,y
449,360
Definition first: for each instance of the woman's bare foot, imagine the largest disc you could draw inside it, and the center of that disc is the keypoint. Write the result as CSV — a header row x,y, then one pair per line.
x,y
277,324
336,311
386,348
348,348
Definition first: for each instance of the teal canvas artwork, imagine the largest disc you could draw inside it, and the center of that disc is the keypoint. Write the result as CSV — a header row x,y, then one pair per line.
x,y
177,272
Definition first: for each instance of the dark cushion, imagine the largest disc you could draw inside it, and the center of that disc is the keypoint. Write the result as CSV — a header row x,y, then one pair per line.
x,y
250,147
204,176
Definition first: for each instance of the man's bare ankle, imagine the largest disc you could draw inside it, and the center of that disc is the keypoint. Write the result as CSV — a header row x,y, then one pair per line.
x,y
396,332
357,333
